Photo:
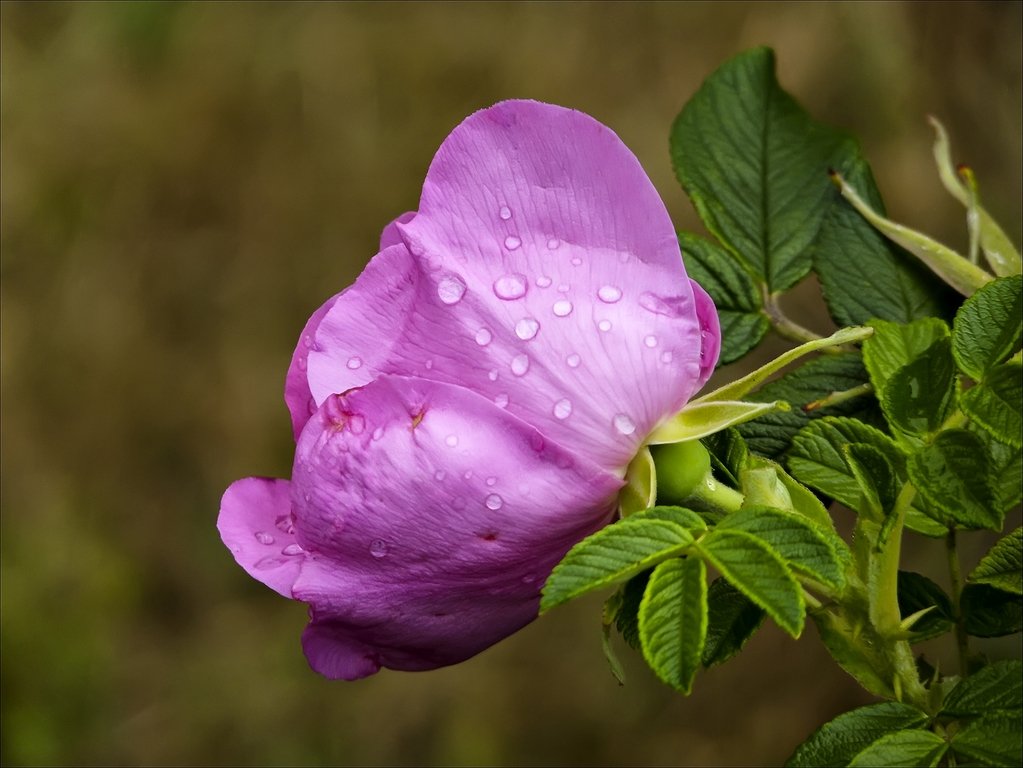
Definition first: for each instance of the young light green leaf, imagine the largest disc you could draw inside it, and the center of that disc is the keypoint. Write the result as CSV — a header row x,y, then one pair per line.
x,y
987,327
990,612
699,419
801,499
673,621
732,618
952,475
838,741
614,554
909,749
737,297
1002,566
758,572
995,739
794,538
640,491
894,345
865,276
996,404
997,687
920,396
917,593
765,201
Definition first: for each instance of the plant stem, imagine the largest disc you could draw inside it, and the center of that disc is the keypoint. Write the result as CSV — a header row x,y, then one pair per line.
x,y
956,579
783,324
711,494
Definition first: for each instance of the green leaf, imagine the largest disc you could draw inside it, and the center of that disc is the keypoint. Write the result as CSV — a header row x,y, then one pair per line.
x,y
800,498
917,593
1006,470
673,621
987,327
698,419
838,741
732,618
894,345
640,491
614,554
952,475
759,573
920,396
903,748
611,608
990,612
736,295
1002,566
728,455
996,404
863,275
627,617
796,540
995,739
771,434
754,164
997,687
876,477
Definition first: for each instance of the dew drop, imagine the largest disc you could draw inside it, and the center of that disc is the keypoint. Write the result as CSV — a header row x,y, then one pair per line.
x,y
451,441
604,325
264,538
439,475
562,308
285,523
308,341
609,294
354,363
302,364
467,475
666,357
501,401
484,337
563,408
573,360
357,424
564,288
650,341
378,548
505,213
491,481
519,365
543,281
527,328
451,289
623,424
291,550
576,261
494,502
270,562
510,287
553,244
670,307
429,364
492,375
378,433
511,242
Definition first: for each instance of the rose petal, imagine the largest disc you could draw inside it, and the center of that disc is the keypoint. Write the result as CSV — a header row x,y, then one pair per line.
x,y
256,525
710,332
391,236
547,277
431,519
296,384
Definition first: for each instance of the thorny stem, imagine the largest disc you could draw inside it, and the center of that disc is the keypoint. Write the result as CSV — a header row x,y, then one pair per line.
x,y
956,579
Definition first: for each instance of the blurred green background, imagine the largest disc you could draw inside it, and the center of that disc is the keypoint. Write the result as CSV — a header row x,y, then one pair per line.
x,y
182,184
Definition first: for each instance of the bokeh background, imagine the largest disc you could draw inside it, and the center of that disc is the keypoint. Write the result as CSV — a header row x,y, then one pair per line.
x,y
183,183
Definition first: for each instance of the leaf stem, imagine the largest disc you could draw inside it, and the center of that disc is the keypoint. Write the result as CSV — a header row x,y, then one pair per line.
x,y
783,324
956,583
839,397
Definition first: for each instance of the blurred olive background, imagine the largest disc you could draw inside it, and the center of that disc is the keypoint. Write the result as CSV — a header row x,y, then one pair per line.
x,y
182,184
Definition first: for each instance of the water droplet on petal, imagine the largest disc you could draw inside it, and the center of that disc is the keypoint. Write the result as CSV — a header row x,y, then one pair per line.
x,y
357,424
669,307
609,294
604,325
484,337
650,341
378,433
576,261
450,289
308,341
428,364
623,424
378,548
494,502
354,363
501,401
573,360
510,287
666,357
264,538
519,365
543,281
302,364
564,288
439,475
563,408
491,481
451,441
562,308
291,550
285,523
527,328
270,562
553,243
492,375
505,213
467,475
511,242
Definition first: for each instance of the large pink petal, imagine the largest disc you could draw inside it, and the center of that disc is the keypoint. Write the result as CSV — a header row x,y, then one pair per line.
x,y
710,332
430,520
546,276
391,234
297,396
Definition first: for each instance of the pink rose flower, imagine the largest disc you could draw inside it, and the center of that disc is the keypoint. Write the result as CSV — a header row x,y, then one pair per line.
x,y
465,412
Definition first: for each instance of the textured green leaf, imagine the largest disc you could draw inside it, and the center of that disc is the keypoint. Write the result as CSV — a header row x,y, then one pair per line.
x,y
952,475
728,455
1002,566
990,612
836,743
800,499
876,477
1005,469
771,434
755,166
732,619
673,621
759,573
920,396
995,739
996,404
737,297
912,749
863,275
627,617
916,593
997,687
794,538
894,345
614,554
987,327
